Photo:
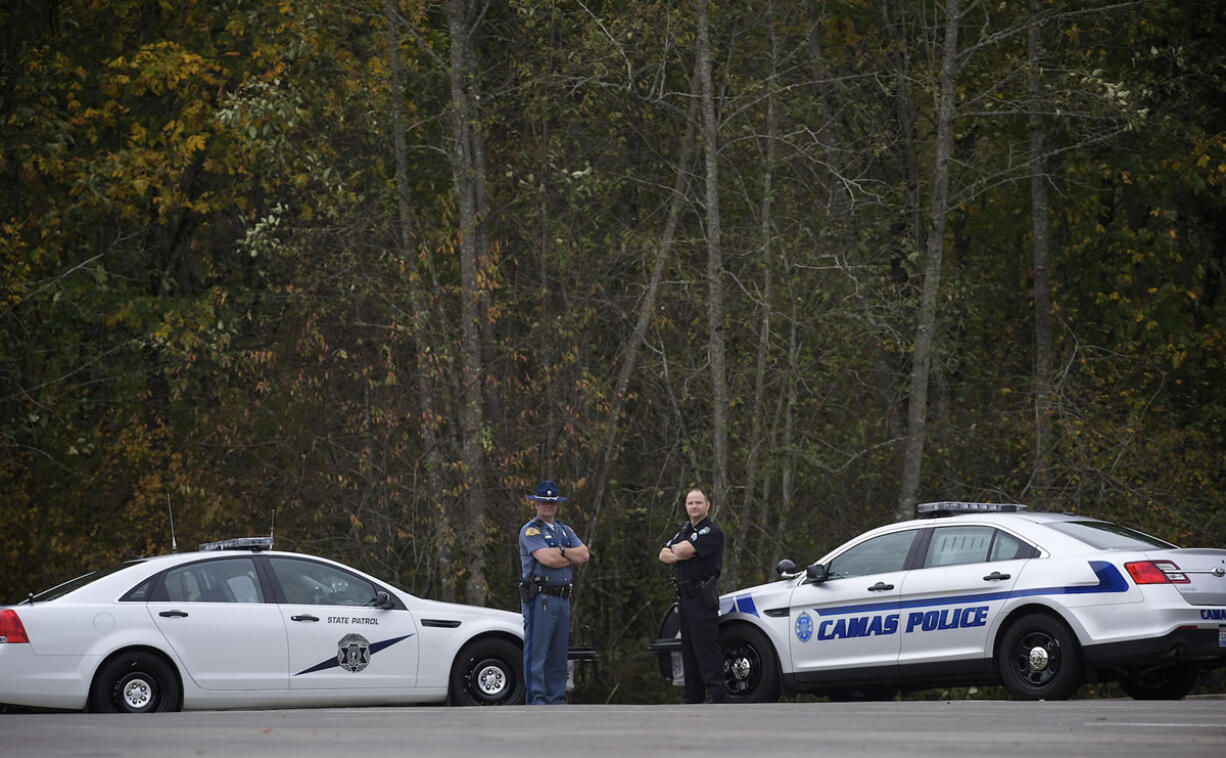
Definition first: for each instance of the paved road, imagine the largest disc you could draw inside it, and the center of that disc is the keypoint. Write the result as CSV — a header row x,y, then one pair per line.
x,y
1082,728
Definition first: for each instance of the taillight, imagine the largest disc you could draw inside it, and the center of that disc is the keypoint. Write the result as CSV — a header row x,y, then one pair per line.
x,y
11,628
1156,572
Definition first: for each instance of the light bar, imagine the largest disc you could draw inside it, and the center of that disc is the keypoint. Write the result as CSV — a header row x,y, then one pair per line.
x,y
239,543
950,507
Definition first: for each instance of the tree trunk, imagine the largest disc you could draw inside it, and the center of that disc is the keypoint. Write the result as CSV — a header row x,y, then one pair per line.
x,y
750,516
787,464
1040,478
441,533
921,354
647,309
465,175
715,265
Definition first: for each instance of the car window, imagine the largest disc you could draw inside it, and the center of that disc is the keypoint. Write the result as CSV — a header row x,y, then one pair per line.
x,y
953,545
876,556
1006,547
306,582
221,580
72,585
957,545
1105,536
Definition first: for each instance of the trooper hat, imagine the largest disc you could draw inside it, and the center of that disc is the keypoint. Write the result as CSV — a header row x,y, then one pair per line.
x,y
547,492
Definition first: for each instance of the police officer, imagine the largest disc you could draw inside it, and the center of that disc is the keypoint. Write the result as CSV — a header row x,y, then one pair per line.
x,y
697,554
547,550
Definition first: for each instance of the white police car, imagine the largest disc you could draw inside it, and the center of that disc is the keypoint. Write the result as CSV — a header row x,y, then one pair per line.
x,y
238,625
977,593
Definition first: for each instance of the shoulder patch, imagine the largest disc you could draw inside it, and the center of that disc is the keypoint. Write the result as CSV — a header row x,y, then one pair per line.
x,y
704,530
531,531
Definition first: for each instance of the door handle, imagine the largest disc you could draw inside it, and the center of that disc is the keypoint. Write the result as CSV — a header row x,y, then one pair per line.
x,y
996,576
173,614
880,586
305,617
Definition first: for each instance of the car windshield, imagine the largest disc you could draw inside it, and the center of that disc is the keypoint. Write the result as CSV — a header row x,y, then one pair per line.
x,y
60,590
1105,536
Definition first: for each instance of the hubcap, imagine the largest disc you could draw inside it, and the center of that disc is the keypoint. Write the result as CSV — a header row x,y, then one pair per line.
x,y
491,680
1038,658
137,693
741,668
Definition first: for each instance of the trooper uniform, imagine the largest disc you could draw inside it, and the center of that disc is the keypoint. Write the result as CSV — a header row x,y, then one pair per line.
x,y
698,608
545,601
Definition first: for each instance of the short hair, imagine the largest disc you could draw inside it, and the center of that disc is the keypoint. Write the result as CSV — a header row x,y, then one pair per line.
x,y
700,491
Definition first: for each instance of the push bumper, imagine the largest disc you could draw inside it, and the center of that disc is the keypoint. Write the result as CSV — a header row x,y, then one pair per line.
x,y
582,661
668,655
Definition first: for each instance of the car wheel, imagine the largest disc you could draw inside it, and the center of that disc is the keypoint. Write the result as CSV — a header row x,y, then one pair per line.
x,y
1039,659
1170,683
751,669
135,683
488,672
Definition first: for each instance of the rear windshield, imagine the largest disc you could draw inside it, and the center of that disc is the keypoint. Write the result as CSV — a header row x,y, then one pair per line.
x,y
60,590
1105,536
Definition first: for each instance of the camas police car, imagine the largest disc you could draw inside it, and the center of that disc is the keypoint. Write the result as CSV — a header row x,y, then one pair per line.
x,y
977,593
237,625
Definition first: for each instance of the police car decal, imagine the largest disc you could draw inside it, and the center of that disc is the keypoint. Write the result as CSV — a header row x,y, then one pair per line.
x,y
804,626
353,653
740,603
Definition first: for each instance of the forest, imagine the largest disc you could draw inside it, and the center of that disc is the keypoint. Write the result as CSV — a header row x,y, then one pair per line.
x,y
360,273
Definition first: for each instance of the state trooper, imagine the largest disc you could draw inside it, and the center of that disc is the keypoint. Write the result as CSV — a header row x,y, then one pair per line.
x,y
696,552
547,551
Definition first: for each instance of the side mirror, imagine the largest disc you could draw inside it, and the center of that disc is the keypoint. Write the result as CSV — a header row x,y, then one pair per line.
x,y
785,568
815,573
383,600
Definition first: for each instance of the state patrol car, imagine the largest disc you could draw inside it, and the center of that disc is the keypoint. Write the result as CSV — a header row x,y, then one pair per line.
x,y
237,625
977,593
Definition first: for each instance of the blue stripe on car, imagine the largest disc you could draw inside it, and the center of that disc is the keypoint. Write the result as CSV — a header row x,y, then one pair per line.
x,y
334,663
1109,580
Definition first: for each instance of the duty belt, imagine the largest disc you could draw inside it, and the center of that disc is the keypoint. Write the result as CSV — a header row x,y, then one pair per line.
x,y
561,590
690,588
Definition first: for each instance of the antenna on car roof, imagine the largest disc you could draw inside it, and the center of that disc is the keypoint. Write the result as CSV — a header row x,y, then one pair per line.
x,y
174,544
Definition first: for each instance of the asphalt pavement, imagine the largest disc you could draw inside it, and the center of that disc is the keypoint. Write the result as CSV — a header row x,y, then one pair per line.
x,y
1081,728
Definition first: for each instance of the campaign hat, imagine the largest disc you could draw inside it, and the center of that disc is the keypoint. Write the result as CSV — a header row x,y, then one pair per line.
x,y
547,492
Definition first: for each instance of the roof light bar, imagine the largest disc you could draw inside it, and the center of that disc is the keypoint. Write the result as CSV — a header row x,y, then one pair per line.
x,y
239,543
951,507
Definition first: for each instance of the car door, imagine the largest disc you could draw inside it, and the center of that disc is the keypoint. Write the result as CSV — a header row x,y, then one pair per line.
x,y
949,602
338,638
850,620
214,615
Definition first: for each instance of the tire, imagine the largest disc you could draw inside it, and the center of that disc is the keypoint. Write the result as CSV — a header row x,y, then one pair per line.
x,y
488,672
135,682
1170,683
751,668
1039,659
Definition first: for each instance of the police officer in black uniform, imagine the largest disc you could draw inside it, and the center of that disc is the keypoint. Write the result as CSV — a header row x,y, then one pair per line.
x,y
697,554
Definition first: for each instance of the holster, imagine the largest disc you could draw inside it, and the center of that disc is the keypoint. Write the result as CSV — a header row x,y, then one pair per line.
x,y
709,594
528,591
706,592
